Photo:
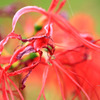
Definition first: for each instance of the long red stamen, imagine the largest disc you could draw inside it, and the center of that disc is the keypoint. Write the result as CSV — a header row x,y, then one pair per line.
x,y
60,85
14,57
23,69
45,73
53,5
10,91
77,84
64,25
26,10
22,98
86,82
44,95
61,5
5,96
12,35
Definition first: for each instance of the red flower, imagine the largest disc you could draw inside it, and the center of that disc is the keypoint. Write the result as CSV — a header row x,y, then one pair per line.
x,y
75,49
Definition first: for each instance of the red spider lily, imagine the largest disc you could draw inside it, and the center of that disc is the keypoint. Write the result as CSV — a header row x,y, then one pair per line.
x,y
37,43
